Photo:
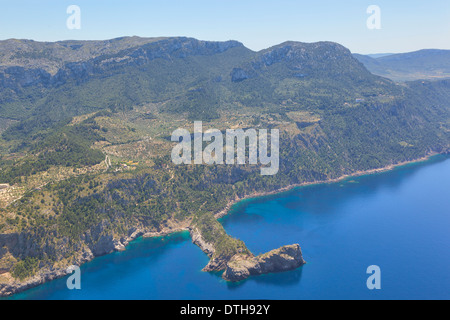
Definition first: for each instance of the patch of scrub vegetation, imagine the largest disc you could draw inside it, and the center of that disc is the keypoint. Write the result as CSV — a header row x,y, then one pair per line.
x,y
214,233
25,268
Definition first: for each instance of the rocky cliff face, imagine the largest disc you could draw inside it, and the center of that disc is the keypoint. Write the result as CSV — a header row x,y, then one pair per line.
x,y
240,264
9,285
17,76
283,259
216,263
301,60
51,56
97,241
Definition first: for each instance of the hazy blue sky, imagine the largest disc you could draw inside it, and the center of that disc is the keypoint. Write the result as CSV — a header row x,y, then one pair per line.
x,y
406,25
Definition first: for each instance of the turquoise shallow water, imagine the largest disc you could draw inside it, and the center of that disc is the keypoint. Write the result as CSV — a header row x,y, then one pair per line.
x,y
398,220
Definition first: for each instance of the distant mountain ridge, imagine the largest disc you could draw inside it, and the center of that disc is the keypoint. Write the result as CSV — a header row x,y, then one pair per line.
x,y
426,64
379,55
161,69
50,56
34,62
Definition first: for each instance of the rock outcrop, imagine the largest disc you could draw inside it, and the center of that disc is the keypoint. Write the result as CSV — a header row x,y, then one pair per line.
x,y
239,75
16,77
216,263
286,258
198,240
95,242
9,285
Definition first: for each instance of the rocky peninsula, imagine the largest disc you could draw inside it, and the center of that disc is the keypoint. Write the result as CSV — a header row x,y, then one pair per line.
x,y
243,264
286,258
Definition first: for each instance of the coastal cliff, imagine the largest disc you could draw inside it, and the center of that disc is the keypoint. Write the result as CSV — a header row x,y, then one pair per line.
x,y
96,242
239,266
286,258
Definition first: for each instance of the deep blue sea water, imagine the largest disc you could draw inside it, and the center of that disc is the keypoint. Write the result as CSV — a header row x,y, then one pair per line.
x,y
398,220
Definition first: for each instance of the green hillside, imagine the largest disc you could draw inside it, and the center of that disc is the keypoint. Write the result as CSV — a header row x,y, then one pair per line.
x,y
85,146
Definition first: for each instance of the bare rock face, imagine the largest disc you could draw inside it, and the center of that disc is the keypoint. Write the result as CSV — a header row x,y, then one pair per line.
x,y
286,258
198,240
215,264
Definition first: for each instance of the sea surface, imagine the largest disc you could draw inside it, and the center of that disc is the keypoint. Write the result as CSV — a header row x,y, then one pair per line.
x,y
397,220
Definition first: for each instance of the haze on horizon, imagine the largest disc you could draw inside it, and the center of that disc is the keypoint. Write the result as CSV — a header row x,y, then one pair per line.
x,y
405,25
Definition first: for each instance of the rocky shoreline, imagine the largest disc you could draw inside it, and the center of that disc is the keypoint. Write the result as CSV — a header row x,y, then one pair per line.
x,y
208,249
225,211
105,245
238,268
241,266
286,258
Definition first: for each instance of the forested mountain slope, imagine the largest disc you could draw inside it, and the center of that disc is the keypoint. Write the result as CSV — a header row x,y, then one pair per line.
x,y
85,147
